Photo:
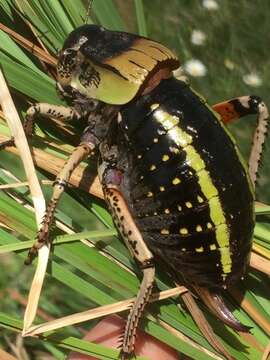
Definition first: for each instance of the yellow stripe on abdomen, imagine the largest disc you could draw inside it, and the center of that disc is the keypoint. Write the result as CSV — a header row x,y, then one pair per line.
x,y
183,140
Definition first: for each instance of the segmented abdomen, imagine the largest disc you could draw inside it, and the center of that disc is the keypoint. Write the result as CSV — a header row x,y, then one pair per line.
x,y
189,191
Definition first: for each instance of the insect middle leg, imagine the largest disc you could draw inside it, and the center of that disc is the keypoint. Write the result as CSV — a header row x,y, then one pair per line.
x,y
246,105
80,153
111,181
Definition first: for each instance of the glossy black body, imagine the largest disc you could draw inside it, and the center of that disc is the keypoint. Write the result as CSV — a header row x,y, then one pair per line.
x,y
157,204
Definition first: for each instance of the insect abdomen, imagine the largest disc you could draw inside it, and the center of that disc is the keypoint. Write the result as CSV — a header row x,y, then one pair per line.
x,y
190,193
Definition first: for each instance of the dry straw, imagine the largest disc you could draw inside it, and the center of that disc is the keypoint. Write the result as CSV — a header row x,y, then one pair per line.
x,y
20,140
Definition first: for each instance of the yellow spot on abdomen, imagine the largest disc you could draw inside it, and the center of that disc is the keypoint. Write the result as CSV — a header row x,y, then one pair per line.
x,y
176,181
200,249
164,232
165,157
200,199
183,231
174,150
154,106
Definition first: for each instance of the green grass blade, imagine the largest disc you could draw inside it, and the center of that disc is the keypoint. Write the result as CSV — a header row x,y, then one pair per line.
x,y
108,15
140,17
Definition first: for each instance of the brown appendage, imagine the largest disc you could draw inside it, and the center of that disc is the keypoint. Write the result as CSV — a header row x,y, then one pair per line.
x,y
47,111
80,153
134,241
239,107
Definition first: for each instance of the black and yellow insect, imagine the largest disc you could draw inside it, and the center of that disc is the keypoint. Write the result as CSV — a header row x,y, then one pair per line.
x,y
173,178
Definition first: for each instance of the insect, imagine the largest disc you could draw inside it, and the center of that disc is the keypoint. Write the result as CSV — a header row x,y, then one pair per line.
x,y
172,176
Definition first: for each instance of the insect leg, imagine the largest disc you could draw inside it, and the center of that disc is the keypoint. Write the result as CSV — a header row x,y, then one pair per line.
x,y
47,111
4,144
111,181
80,153
236,108
242,106
130,232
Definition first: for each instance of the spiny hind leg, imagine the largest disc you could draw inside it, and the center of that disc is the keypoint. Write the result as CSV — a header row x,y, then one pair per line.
x,y
238,107
111,180
141,253
80,153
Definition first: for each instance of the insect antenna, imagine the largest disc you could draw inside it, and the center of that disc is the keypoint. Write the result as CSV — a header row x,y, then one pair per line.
x,y
88,11
42,34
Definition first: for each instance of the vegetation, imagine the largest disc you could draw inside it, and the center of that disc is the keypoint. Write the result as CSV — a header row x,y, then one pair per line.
x,y
80,277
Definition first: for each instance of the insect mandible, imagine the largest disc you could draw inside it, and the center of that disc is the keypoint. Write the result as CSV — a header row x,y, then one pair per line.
x,y
172,176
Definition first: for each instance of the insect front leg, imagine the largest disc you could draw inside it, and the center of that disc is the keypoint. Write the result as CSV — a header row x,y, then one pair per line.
x,y
111,178
4,144
246,105
48,110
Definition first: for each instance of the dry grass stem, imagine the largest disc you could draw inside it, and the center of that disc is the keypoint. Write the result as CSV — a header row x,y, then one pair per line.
x,y
31,47
53,165
98,312
261,251
18,134
259,204
22,184
19,4
203,325
266,354
251,310
260,263
187,340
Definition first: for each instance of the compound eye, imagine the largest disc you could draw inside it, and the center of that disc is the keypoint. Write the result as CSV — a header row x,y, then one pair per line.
x,y
69,51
